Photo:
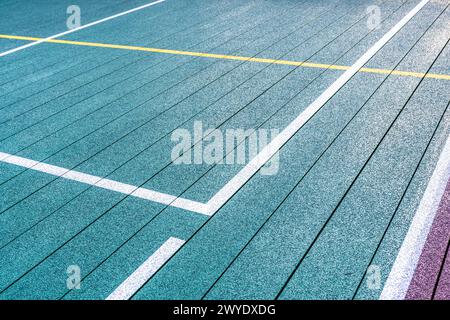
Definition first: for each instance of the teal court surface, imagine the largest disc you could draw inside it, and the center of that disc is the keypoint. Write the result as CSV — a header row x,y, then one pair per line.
x,y
94,204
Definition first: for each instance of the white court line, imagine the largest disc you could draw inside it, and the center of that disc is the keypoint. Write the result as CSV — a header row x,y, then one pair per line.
x,y
108,184
142,274
224,194
399,278
79,28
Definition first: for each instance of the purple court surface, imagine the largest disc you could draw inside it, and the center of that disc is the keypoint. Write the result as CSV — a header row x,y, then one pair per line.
x,y
431,279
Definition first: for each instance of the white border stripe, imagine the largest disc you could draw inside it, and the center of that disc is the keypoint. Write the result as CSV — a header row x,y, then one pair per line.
x,y
80,28
270,150
139,277
401,274
108,184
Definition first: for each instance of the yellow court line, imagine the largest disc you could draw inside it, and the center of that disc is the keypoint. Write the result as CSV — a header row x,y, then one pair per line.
x,y
230,57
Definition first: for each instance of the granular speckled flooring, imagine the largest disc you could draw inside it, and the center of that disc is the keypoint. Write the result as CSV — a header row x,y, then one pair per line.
x,y
357,91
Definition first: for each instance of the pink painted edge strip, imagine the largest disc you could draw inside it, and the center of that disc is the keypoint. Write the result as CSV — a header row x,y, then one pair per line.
x,y
426,274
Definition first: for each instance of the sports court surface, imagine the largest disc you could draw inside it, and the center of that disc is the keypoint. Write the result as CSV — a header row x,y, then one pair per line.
x,y
359,207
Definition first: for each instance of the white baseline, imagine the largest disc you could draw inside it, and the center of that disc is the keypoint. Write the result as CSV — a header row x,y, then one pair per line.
x,y
104,183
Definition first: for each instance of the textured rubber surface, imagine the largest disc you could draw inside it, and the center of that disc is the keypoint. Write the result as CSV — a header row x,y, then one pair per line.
x,y
348,184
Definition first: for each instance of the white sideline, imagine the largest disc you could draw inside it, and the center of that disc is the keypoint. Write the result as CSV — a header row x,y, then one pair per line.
x,y
80,28
146,270
399,278
108,184
224,194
